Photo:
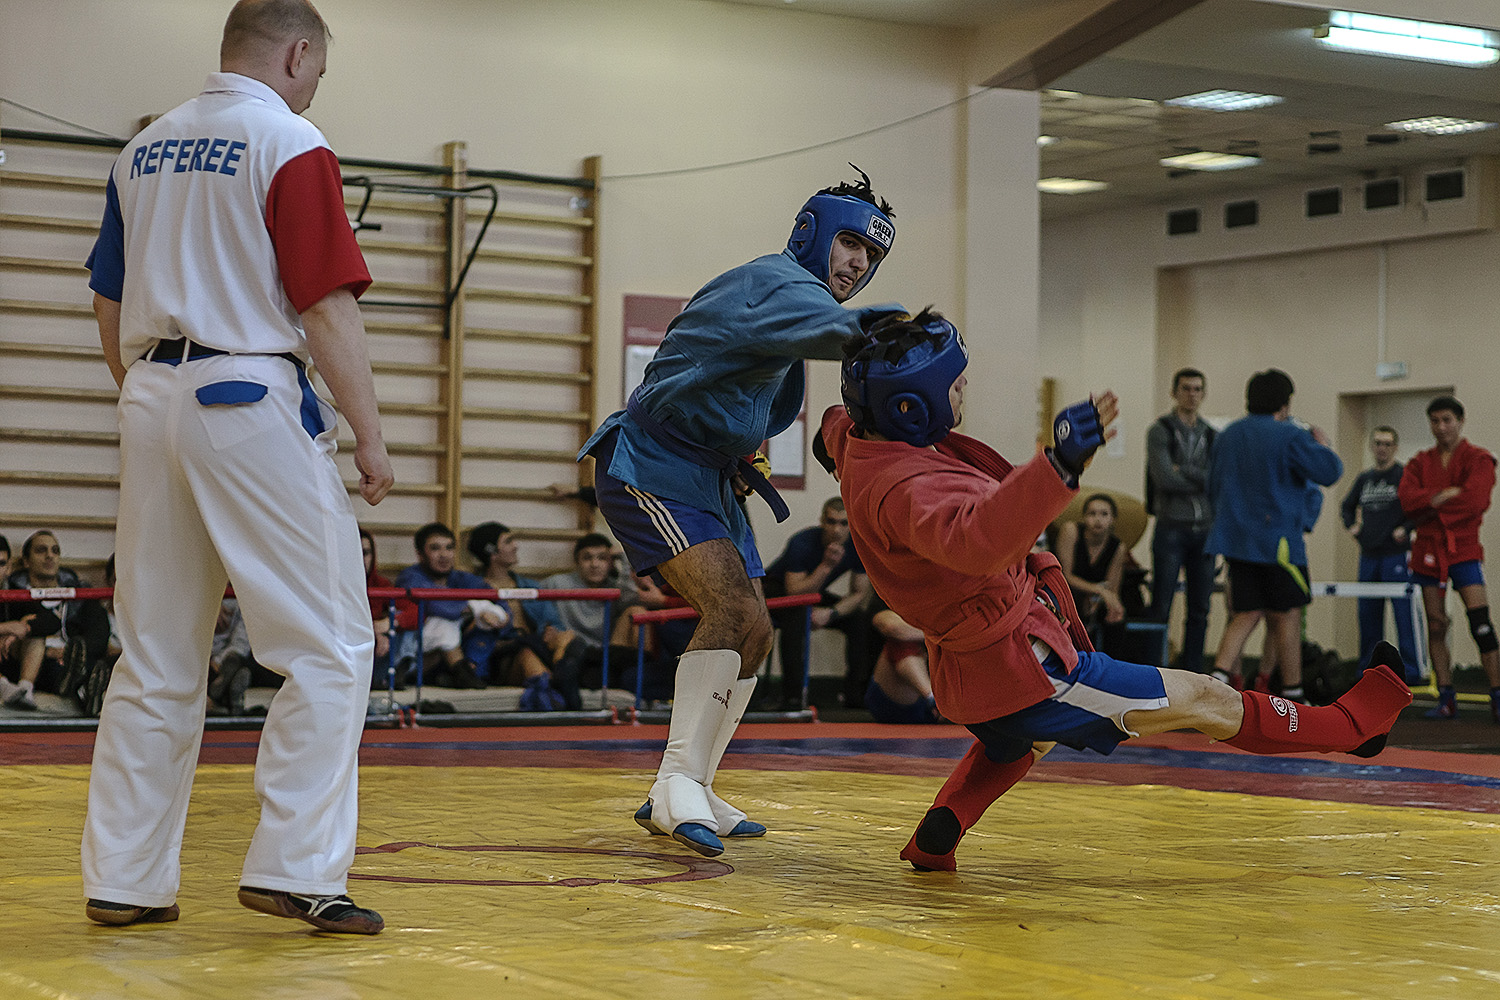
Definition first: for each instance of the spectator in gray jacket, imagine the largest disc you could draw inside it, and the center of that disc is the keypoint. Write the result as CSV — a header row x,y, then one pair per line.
x,y
1178,447
594,566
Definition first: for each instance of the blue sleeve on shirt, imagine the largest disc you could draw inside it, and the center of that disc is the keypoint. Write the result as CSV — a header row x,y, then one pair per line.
x,y
106,261
540,613
1313,461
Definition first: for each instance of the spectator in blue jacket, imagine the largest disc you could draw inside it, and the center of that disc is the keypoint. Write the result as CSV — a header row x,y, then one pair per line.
x,y
1258,482
445,623
531,647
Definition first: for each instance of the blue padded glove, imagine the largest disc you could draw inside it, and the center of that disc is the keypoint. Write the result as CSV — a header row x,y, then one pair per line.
x,y
1078,435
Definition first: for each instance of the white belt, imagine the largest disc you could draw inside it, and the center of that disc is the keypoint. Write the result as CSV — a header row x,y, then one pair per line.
x,y
1041,650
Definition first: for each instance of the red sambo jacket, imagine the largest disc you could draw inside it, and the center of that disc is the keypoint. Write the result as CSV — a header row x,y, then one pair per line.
x,y
945,534
1448,534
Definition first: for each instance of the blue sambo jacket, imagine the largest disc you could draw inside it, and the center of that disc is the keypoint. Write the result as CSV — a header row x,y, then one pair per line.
x,y
1258,482
729,376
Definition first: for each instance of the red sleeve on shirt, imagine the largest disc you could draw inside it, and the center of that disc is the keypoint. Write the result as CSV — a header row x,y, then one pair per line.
x,y
315,248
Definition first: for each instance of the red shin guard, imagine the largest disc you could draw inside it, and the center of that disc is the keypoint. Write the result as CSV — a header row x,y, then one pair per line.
x,y
1367,711
976,782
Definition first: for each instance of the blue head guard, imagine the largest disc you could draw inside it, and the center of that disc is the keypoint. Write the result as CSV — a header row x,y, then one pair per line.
x,y
825,216
875,386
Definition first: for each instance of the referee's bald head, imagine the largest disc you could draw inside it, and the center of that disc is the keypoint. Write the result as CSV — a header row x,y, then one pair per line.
x,y
256,28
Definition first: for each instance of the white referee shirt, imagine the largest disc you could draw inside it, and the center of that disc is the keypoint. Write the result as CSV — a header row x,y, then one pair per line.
x,y
224,220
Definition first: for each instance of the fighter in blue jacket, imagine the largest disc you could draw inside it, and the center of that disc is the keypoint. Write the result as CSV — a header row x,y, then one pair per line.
x,y
727,377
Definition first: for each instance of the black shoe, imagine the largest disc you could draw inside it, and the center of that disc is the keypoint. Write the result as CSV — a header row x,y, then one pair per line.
x,y
463,675
95,686
239,683
102,911
338,914
406,672
75,667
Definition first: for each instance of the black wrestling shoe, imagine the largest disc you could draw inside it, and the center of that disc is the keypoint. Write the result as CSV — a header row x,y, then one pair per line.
x,y
75,667
102,911
337,914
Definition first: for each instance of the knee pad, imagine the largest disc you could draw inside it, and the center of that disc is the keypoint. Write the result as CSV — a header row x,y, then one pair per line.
x,y
1482,631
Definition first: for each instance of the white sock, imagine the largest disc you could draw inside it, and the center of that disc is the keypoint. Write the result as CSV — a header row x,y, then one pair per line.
x,y
702,694
726,815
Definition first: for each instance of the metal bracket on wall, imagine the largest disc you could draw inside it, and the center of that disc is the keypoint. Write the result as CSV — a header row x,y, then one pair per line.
x,y
371,186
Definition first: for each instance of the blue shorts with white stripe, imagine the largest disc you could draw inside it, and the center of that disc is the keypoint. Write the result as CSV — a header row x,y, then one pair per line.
x,y
653,529
1086,711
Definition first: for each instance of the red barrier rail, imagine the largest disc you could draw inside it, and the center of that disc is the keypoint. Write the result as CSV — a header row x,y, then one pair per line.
x,y
507,594
643,617
415,593
605,595
674,614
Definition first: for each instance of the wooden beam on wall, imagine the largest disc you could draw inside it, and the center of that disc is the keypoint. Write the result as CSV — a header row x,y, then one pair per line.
x,y
456,159
1108,27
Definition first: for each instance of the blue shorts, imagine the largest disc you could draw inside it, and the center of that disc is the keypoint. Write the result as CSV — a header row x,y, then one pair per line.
x,y
1463,574
884,709
1086,711
654,529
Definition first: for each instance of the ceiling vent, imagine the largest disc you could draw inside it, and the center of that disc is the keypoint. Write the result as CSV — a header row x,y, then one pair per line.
x,y
1445,185
1324,201
1183,222
1384,193
1238,214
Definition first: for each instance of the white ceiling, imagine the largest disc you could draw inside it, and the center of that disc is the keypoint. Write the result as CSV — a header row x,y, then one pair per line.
x,y
937,13
1119,131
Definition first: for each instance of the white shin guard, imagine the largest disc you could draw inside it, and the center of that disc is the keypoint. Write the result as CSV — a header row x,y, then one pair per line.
x,y
701,707
726,815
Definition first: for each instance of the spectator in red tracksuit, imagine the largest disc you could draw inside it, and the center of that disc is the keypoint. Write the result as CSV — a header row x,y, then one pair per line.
x,y
945,526
1445,490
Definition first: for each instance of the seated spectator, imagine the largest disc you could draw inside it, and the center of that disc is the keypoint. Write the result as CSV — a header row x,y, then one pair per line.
x,y
380,612
531,646
813,560
445,623
229,661
900,690
11,630
59,661
94,686
1093,560
596,564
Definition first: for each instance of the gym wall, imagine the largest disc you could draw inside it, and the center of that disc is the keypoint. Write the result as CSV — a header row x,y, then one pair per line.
x,y
650,86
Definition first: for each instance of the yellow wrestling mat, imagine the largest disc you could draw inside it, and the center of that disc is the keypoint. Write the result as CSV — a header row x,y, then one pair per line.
x,y
533,882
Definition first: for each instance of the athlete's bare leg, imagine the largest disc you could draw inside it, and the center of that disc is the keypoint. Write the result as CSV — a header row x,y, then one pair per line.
x,y
1285,631
1232,644
711,577
1474,596
1195,701
1434,601
715,679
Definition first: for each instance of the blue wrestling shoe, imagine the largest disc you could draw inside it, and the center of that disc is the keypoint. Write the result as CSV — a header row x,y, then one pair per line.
x,y
699,838
744,828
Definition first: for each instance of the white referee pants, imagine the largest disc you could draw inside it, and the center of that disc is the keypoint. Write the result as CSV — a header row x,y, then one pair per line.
x,y
240,493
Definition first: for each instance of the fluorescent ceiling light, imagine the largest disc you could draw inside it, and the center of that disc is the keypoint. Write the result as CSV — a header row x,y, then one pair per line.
x,y
1209,161
1225,100
1404,39
1068,185
1440,125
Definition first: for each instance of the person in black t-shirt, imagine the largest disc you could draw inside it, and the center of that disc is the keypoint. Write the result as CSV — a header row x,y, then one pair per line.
x,y
1372,513
1093,560
813,560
